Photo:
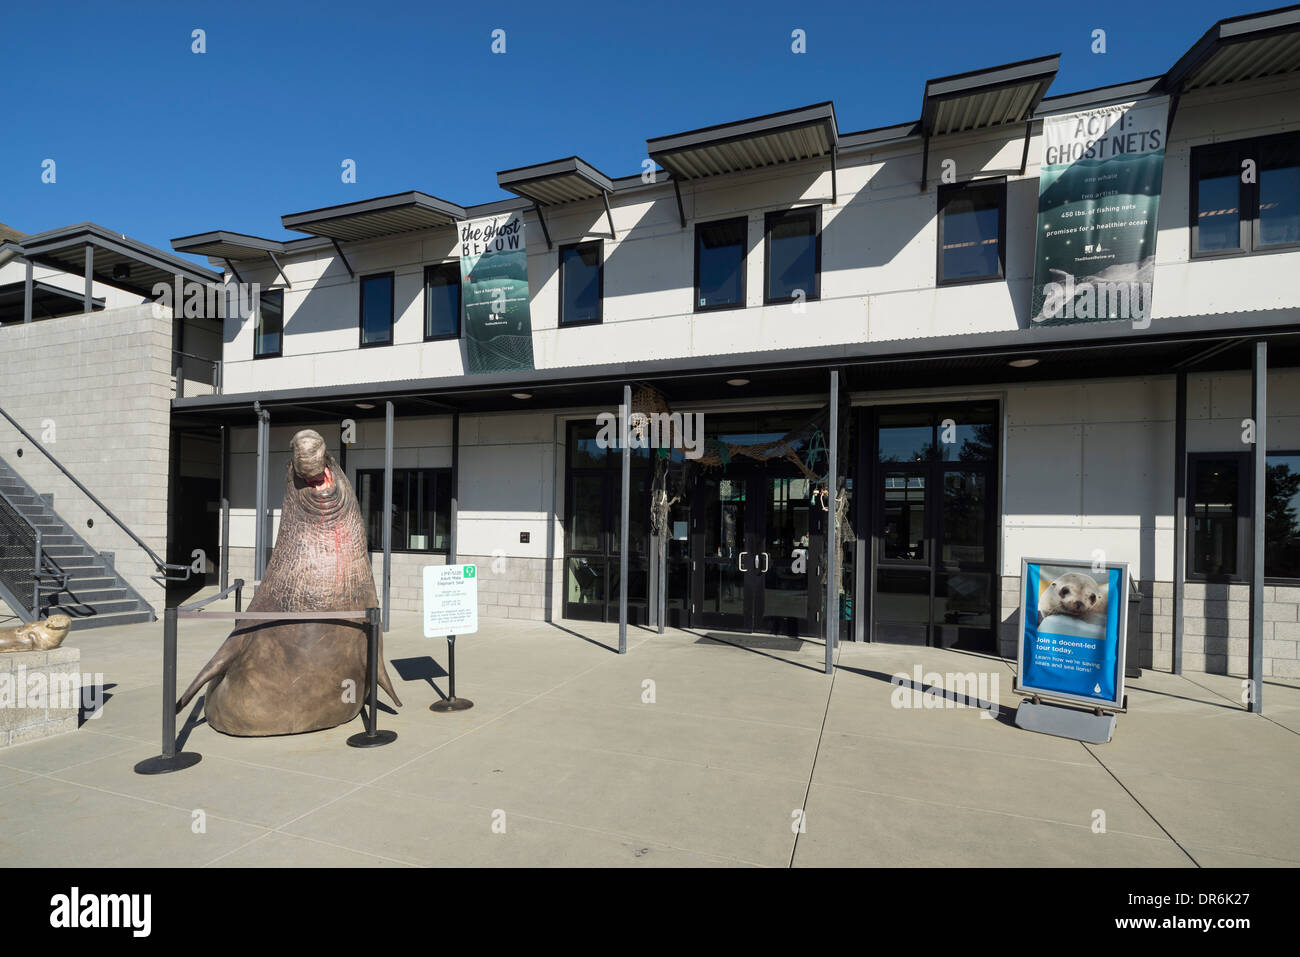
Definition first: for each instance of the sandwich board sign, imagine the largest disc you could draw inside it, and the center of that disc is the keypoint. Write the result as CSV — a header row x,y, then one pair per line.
x,y
450,600
1073,633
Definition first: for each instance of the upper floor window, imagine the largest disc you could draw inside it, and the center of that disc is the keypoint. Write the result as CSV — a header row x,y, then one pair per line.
x,y
442,301
972,231
377,310
793,255
581,283
720,264
268,340
1245,195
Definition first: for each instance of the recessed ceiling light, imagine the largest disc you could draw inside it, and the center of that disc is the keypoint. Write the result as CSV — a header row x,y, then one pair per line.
x,y
521,395
365,405
737,382
1023,363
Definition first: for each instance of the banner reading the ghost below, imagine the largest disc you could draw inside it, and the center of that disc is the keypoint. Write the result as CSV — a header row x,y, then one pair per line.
x,y
494,284
1098,201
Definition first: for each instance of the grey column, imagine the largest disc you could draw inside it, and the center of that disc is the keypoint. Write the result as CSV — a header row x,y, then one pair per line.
x,y
88,296
259,522
454,509
832,616
388,505
1180,518
27,293
224,503
624,438
1258,414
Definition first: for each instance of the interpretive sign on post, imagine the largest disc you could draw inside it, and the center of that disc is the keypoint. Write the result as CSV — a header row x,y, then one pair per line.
x,y
450,600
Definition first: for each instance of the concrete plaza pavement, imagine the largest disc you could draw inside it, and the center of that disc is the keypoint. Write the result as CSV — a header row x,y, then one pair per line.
x,y
565,761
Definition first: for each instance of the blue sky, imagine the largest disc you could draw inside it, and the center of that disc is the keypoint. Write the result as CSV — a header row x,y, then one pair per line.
x,y
156,141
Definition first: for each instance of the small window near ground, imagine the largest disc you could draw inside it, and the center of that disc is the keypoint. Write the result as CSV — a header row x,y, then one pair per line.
x,y
971,233
421,508
377,310
270,325
1218,529
442,301
793,255
720,264
580,283
1282,516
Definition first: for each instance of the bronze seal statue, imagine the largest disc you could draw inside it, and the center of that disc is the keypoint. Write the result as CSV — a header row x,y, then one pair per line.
x,y
272,677
36,635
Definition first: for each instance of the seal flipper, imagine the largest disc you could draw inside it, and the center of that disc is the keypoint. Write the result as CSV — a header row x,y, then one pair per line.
x,y
225,654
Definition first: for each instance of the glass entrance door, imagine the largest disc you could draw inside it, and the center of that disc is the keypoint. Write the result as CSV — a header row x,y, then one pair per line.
x,y
759,551
935,526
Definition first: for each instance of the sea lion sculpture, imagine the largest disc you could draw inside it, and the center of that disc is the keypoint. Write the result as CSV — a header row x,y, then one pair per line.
x,y
36,635
272,677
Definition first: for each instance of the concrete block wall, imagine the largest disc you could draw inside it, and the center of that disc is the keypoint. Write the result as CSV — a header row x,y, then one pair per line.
x,y
40,694
102,381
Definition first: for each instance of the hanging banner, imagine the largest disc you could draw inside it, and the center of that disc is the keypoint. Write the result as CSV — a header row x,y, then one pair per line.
x,y
1098,202
1073,630
494,284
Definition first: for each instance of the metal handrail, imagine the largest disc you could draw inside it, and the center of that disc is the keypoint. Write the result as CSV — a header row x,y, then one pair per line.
x,y
39,558
237,587
162,566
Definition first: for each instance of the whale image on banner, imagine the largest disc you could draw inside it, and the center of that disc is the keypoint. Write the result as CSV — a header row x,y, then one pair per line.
x,y
494,284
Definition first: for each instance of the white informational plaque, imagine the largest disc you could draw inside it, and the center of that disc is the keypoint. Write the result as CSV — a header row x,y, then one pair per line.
x,y
450,600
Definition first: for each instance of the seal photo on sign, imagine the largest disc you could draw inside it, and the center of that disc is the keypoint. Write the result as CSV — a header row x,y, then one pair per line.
x,y
272,677
1073,594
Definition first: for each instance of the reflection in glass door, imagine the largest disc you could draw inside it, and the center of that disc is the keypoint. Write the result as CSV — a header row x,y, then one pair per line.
x,y
726,556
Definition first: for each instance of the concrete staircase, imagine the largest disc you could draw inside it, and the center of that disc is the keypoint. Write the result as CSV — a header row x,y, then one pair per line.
x,y
95,596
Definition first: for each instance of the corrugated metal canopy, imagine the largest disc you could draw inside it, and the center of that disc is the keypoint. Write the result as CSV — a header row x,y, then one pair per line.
x,y
141,265
220,244
986,98
1240,48
784,137
48,302
373,218
556,182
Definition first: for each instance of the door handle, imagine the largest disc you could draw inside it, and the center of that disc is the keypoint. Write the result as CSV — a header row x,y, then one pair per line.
x,y
767,562
740,561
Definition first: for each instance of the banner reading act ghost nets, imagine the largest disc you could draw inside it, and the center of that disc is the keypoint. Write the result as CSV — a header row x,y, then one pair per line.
x,y
1098,201
494,284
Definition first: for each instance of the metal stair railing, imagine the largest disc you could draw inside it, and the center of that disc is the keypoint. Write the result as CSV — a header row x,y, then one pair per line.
x,y
23,562
163,568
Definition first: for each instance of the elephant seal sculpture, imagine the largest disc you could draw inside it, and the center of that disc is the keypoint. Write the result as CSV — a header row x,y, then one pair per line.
x,y
36,635
287,677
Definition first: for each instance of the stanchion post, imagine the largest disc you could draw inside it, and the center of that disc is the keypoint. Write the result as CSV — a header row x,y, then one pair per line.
x,y
372,737
169,760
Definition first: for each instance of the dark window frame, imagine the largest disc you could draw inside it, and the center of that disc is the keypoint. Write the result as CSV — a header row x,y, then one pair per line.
x,y
797,212
945,192
278,353
440,474
744,265
460,301
1276,579
600,284
1244,553
361,309
1248,196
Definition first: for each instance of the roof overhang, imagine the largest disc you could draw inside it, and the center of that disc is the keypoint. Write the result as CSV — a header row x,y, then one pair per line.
x,y
559,181
982,99
1237,49
48,302
376,218
220,244
1082,350
785,137
117,260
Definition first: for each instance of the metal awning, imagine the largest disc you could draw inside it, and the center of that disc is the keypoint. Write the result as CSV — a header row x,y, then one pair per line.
x,y
1242,48
220,244
115,260
785,137
48,302
983,99
375,218
557,182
